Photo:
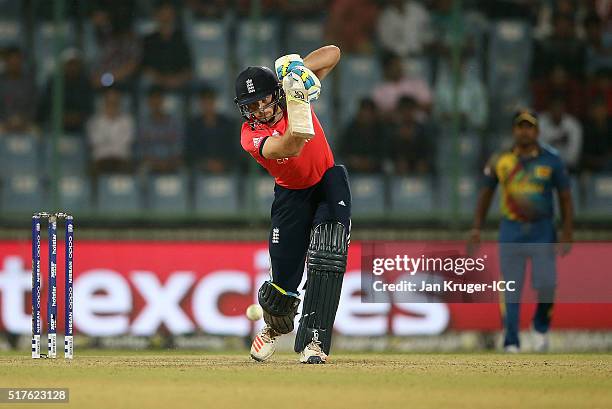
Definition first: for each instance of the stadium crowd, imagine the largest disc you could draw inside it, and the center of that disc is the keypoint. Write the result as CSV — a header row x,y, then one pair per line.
x,y
137,100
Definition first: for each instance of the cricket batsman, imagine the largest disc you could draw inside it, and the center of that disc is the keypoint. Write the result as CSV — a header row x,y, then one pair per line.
x,y
311,210
527,174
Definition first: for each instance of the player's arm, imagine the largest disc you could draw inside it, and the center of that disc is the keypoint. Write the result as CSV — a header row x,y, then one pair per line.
x,y
311,69
282,146
322,60
485,197
482,207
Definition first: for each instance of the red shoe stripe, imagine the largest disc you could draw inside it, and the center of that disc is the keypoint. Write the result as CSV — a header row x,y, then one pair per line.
x,y
258,343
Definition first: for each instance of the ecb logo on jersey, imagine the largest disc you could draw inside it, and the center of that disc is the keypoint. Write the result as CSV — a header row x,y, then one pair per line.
x,y
250,86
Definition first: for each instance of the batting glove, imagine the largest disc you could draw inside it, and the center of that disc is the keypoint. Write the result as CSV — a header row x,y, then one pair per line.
x,y
310,80
285,64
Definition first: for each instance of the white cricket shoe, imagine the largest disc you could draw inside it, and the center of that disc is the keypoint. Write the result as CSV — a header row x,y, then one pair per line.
x,y
313,354
512,349
541,341
263,346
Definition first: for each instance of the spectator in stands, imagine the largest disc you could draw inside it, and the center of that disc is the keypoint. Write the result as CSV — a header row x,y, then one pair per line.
x,y
561,48
118,58
472,98
559,84
77,95
111,133
411,147
17,94
351,25
563,132
363,144
404,28
207,147
599,47
597,151
397,84
160,137
166,55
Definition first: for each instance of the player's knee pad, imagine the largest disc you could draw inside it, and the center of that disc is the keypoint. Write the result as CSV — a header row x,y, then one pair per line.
x,y
280,307
326,267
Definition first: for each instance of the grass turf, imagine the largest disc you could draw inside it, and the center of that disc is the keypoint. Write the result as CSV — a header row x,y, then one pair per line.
x,y
173,380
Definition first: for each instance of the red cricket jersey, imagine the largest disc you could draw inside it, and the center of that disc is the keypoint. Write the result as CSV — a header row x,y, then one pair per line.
x,y
292,173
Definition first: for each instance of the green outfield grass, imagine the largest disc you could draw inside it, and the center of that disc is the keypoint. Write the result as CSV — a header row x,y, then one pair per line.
x,y
173,380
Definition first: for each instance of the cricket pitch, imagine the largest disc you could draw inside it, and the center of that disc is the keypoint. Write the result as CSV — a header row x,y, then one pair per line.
x,y
174,380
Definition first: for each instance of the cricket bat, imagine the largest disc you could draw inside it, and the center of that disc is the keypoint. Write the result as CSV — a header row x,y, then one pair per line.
x,y
298,108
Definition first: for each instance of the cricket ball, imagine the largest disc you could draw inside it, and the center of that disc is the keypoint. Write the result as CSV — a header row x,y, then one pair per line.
x,y
254,312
